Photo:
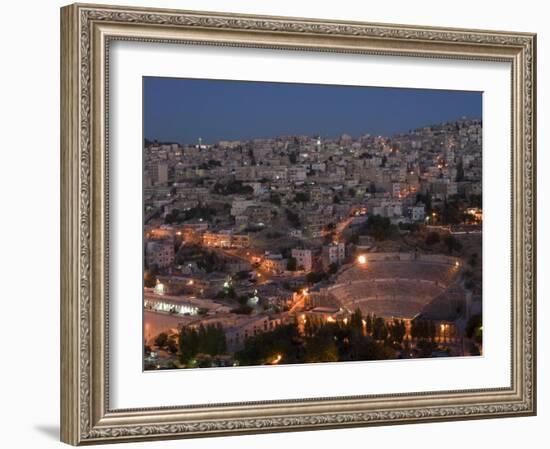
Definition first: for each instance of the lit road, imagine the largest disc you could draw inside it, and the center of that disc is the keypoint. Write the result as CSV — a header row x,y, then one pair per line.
x,y
298,303
341,227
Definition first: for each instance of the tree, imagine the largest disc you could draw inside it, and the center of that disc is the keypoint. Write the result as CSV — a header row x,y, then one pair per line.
x,y
262,348
243,309
356,320
321,349
150,277
369,325
460,171
211,339
275,198
367,349
188,344
210,262
301,197
172,345
432,238
452,212
398,330
315,276
161,340
227,292
291,264
425,348
380,331
293,157
293,218
204,361
420,328
251,156
452,243
432,331
379,227
233,187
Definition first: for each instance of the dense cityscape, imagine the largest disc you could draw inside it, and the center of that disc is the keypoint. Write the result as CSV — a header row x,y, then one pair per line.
x,y
302,249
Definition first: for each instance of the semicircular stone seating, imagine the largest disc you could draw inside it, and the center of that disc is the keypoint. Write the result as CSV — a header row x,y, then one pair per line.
x,y
393,288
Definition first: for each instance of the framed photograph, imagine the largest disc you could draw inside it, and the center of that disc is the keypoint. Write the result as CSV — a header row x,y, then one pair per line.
x,y
279,224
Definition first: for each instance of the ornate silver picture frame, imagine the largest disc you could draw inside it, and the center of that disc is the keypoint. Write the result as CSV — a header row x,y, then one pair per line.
x,y
87,31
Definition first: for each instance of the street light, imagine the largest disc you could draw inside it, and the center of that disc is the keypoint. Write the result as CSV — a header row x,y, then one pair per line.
x,y
362,259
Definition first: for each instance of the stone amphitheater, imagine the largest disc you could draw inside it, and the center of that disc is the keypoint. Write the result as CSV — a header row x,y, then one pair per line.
x,y
401,285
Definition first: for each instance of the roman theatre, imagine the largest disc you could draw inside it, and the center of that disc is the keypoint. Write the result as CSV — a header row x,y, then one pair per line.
x,y
399,285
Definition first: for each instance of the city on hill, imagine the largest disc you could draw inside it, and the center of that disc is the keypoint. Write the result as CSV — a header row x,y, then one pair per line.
x,y
303,249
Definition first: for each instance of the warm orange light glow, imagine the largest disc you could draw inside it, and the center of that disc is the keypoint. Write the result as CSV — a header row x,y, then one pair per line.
x,y
190,282
345,321
330,319
362,259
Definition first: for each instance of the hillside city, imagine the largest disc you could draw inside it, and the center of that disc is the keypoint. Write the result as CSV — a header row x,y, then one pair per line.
x,y
302,249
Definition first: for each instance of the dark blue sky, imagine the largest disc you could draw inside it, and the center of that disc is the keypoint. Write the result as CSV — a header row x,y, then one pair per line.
x,y
182,110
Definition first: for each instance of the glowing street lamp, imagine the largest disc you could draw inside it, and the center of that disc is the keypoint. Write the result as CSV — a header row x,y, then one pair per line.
x,y
159,288
362,259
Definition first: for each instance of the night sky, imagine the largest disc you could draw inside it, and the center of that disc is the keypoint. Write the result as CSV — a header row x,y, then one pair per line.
x,y
182,110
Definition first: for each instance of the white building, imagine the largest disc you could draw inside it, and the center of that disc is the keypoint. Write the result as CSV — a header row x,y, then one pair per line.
x,y
334,253
418,213
396,189
304,259
297,173
239,206
159,173
160,253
